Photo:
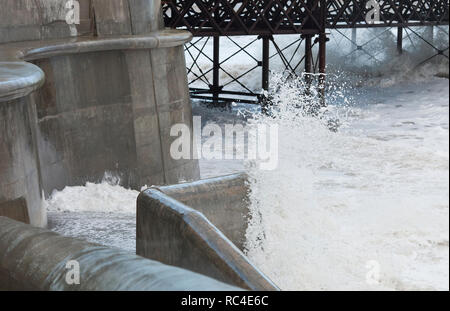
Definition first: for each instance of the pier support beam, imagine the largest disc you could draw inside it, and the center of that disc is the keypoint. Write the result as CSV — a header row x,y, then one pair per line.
x,y
265,62
400,40
216,69
322,65
354,43
322,51
308,54
429,36
308,60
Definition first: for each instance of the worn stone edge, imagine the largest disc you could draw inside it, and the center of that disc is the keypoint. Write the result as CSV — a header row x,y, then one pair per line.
x,y
17,54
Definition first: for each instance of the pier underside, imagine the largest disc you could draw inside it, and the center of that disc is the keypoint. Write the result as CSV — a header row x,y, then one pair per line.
x,y
312,21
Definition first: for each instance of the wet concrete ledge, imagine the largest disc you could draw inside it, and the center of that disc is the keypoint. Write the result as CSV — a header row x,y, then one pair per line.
x,y
19,78
180,234
36,259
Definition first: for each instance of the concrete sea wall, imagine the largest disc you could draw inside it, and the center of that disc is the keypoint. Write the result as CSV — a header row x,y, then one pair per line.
x,y
73,107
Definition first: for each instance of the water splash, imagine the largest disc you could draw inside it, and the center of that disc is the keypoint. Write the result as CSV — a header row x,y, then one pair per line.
x,y
106,197
340,201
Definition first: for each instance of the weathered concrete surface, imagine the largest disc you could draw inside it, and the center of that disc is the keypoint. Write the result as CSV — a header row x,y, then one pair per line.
x,y
23,20
223,200
18,79
112,17
20,180
107,103
20,183
146,17
127,17
36,259
176,234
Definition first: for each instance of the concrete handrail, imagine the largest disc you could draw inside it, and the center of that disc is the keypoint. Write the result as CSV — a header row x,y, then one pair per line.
x,y
19,78
36,259
223,200
176,234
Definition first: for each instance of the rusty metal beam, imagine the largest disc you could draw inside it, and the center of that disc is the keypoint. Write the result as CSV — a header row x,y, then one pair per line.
x,y
271,17
308,18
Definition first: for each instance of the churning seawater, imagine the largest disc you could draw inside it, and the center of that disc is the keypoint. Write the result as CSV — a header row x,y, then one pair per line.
x,y
363,208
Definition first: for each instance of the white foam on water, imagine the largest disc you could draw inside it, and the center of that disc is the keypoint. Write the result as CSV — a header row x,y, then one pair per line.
x,y
107,197
362,209
103,213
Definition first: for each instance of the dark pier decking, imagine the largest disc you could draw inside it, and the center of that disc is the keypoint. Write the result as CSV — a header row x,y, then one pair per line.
x,y
311,19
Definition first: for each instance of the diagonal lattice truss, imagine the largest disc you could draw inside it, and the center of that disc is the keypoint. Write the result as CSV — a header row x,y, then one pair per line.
x,y
244,17
287,55
404,13
269,17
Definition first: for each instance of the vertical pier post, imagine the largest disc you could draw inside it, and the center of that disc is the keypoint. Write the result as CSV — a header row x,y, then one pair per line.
x,y
308,46
429,36
308,54
354,36
216,68
308,61
400,40
400,29
322,51
354,43
322,64
265,62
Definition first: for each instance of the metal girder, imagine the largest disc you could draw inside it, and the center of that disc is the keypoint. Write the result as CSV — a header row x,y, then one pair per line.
x,y
266,18
271,17
243,17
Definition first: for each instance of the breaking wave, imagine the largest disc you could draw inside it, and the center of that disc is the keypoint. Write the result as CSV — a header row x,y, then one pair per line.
x,y
366,208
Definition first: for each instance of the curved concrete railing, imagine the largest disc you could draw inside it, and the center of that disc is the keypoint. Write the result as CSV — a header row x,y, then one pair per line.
x,y
36,259
223,200
176,234
19,78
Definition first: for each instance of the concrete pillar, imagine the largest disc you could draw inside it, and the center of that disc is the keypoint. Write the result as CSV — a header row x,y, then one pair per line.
x,y
146,16
168,100
112,17
126,17
98,110
20,180
156,15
